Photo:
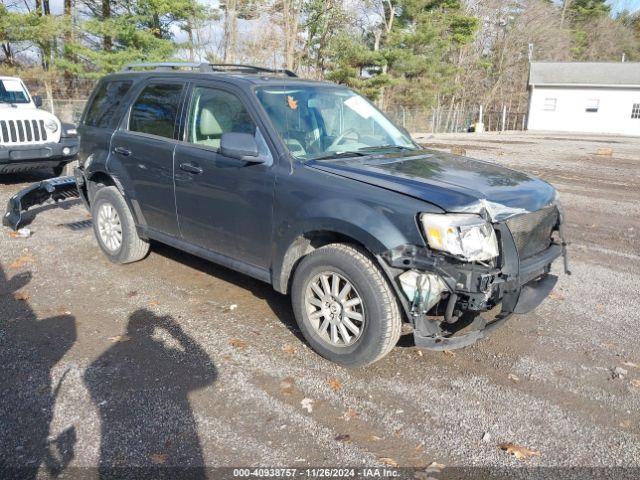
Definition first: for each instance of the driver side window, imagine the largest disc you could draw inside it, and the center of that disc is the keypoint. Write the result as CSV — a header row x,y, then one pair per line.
x,y
214,112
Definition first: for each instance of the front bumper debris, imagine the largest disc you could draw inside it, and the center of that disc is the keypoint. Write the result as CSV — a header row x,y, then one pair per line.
x,y
513,286
57,189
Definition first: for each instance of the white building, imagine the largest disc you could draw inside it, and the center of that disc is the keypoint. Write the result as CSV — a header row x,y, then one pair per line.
x,y
585,97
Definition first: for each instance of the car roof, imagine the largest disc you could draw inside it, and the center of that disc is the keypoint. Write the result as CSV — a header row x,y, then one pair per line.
x,y
244,79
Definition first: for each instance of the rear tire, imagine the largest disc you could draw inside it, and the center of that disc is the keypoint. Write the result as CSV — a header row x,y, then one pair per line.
x,y
367,318
115,229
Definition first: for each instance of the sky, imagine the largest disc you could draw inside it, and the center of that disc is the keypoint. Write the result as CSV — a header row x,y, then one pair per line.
x,y
630,5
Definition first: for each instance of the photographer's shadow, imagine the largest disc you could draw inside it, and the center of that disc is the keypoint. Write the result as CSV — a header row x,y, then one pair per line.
x,y
141,386
30,347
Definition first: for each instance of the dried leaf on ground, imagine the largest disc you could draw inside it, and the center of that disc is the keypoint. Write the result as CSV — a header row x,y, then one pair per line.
x,y
518,451
349,414
289,349
449,353
376,438
237,343
132,293
435,467
307,404
120,338
513,377
420,353
22,296
158,458
556,296
334,384
22,261
389,461
343,438
635,383
286,386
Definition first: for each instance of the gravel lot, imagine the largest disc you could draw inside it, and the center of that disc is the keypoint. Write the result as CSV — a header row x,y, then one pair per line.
x,y
175,361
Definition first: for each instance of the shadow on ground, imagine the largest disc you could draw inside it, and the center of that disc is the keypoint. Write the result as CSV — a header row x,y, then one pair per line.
x,y
140,386
29,349
26,177
279,304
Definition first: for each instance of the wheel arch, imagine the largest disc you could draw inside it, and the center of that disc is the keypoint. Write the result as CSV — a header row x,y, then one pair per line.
x,y
311,239
99,178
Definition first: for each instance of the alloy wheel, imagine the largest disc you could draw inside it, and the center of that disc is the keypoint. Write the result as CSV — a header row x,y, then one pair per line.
x,y
335,309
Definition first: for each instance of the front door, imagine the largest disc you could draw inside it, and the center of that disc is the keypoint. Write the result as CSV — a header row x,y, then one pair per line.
x,y
144,152
224,205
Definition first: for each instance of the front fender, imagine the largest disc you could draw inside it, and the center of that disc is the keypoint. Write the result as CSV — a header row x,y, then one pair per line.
x,y
378,228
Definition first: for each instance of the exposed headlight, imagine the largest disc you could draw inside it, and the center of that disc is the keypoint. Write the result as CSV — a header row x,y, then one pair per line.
x,y
467,236
51,125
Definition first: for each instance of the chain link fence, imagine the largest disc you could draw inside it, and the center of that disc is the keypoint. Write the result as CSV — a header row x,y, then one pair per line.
x,y
66,110
415,120
445,120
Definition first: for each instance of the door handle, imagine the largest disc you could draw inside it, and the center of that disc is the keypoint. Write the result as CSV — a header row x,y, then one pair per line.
x,y
191,168
122,151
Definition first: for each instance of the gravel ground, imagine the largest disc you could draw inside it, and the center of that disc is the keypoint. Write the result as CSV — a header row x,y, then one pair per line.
x,y
174,361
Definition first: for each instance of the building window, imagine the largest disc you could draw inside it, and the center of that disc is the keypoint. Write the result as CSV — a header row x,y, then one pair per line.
x,y
550,104
592,105
635,111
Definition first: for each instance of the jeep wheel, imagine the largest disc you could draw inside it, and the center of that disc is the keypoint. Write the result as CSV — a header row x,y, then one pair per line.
x,y
344,305
115,229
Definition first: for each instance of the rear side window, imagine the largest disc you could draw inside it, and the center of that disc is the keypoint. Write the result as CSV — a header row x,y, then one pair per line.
x,y
105,103
156,109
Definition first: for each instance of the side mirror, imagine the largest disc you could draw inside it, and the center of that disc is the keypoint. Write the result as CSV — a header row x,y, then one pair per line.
x,y
241,146
37,101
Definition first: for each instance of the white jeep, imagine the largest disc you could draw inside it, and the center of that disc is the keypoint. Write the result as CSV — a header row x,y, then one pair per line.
x,y
31,138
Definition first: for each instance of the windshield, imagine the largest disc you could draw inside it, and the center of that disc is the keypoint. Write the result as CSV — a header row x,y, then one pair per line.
x,y
325,122
12,91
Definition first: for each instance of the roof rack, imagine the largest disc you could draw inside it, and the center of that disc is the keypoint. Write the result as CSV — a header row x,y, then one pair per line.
x,y
207,67
249,68
163,66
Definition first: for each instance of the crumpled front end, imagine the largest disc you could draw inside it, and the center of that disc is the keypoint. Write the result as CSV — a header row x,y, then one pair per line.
x,y
445,297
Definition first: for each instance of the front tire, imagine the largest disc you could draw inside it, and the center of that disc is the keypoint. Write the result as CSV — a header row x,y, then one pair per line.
x,y
115,229
344,305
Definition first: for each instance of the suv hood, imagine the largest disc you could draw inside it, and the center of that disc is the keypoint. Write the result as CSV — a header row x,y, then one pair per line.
x,y
451,182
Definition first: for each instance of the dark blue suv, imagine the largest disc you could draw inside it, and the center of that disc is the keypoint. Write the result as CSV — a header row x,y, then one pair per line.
x,y
307,186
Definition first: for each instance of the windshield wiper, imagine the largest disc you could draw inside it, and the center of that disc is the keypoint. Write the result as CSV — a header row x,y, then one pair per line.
x,y
332,155
386,147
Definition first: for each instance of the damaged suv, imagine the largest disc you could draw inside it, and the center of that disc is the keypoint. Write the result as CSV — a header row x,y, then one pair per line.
x,y
307,186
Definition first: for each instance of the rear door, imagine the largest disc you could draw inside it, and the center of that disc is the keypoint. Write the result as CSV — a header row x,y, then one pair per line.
x,y
143,153
101,117
224,205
